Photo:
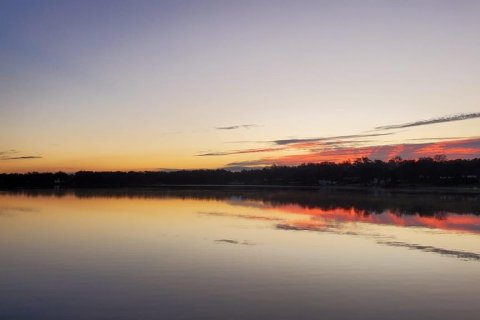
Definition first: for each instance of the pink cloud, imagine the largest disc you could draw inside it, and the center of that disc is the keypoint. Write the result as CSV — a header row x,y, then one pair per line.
x,y
458,149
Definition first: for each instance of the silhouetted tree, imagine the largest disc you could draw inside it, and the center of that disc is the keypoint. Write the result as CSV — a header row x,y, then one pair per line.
x,y
436,171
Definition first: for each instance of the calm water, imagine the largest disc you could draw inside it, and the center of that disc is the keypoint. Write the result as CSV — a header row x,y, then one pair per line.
x,y
200,254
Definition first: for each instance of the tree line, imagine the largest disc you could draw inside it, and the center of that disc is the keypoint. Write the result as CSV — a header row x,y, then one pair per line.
x,y
436,171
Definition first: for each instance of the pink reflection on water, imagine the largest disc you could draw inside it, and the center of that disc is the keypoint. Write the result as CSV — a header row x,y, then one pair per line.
x,y
443,221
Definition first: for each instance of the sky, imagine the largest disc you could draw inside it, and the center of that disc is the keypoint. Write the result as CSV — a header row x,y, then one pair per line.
x,y
154,85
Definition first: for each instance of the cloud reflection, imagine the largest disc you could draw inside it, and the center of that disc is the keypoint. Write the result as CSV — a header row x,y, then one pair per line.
x,y
445,221
445,252
338,229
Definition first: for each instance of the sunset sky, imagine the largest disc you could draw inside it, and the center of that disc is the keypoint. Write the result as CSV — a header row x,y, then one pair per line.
x,y
151,85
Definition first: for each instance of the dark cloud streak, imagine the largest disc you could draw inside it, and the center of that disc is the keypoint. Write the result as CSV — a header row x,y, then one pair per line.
x,y
226,153
12,154
20,158
240,126
456,117
353,136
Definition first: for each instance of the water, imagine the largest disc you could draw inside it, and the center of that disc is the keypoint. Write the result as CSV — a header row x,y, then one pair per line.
x,y
238,254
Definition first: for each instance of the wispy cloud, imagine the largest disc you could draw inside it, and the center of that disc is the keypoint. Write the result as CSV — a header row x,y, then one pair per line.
x,y
226,153
14,155
467,148
310,144
437,139
239,126
251,163
366,144
21,158
455,117
8,152
333,138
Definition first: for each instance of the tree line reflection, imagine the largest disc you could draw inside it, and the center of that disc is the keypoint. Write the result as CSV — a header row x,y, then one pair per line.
x,y
446,212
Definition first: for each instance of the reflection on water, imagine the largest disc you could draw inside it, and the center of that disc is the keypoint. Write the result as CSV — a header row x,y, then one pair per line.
x,y
238,254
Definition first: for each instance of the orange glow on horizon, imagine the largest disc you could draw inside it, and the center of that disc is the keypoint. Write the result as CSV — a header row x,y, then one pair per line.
x,y
457,149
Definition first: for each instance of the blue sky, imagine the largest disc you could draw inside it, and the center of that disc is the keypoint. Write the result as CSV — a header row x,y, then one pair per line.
x,y
146,84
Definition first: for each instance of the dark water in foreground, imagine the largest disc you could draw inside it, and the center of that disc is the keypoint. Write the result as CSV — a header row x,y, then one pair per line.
x,y
213,254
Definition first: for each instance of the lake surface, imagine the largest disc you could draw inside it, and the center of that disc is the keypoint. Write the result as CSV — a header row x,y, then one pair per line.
x,y
238,254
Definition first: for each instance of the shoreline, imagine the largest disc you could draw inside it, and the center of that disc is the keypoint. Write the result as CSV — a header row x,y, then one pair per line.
x,y
347,188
